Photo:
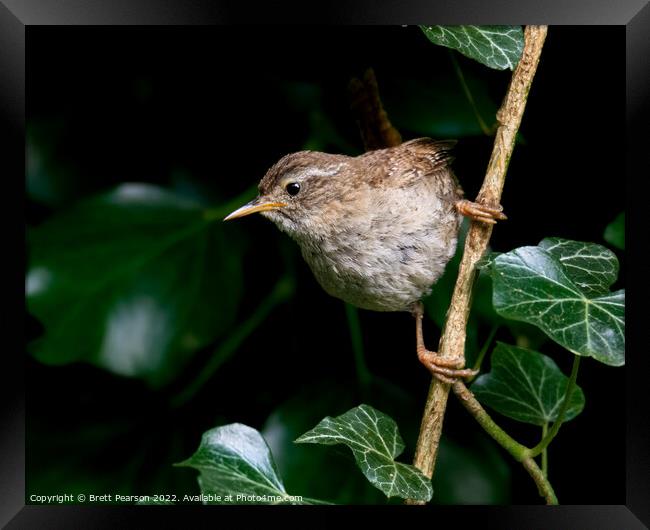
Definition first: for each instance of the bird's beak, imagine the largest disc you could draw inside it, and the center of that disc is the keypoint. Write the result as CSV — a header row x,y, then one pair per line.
x,y
256,205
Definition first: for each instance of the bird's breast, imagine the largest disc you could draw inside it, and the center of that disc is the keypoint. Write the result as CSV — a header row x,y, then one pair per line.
x,y
385,255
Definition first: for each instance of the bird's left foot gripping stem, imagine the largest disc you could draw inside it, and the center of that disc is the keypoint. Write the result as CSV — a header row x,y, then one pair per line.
x,y
480,212
445,369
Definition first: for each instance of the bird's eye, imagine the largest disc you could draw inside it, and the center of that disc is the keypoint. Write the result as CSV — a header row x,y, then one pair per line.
x,y
292,188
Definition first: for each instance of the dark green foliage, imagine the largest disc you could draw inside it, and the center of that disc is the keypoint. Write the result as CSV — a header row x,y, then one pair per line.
x,y
375,442
526,386
615,232
133,281
158,323
237,467
498,47
562,287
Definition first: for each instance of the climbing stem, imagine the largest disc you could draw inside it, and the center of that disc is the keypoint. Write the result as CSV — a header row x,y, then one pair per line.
x,y
519,452
467,399
452,342
484,349
468,94
548,437
363,374
543,485
545,451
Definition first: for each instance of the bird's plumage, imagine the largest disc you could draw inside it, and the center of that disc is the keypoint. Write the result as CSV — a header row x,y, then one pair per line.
x,y
377,230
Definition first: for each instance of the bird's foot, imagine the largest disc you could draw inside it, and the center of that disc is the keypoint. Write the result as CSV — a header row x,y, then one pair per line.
x,y
480,212
445,369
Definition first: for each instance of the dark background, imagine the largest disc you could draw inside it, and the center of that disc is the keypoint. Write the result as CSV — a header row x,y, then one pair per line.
x,y
205,111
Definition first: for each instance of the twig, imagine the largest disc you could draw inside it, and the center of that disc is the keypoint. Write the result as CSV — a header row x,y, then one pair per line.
x,y
452,342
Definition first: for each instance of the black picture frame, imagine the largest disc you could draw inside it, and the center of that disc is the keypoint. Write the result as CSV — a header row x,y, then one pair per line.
x,y
15,18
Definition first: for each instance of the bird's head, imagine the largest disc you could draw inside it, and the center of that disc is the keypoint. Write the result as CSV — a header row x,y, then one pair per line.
x,y
300,192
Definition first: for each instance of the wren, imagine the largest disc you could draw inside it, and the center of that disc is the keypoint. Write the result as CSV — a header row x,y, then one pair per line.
x,y
377,230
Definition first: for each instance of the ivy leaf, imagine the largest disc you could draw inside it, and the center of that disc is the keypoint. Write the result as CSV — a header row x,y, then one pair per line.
x,y
593,268
615,232
526,386
375,443
339,481
134,281
487,260
234,460
498,47
532,284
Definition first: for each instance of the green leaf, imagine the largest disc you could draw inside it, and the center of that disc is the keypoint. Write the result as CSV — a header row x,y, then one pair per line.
x,y
339,481
526,386
498,47
615,232
134,281
487,260
375,443
533,285
234,460
591,267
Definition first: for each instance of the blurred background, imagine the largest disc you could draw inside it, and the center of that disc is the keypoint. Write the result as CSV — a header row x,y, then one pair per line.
x,y
151,321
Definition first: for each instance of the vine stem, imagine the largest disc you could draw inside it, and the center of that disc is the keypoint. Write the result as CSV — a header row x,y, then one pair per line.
x,y
484,350
543,485
547,438
364,376
452,341
468,94
545,451
519,452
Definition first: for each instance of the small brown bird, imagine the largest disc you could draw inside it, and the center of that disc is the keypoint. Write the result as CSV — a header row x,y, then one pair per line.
x,y
377,230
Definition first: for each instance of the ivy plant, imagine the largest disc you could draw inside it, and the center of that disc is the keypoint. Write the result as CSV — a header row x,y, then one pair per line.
x,y
561,287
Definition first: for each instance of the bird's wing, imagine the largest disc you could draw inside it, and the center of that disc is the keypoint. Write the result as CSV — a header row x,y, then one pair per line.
x,y
433,154
409,163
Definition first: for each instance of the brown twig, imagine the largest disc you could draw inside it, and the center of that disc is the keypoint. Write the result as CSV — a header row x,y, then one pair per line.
x,y
452,342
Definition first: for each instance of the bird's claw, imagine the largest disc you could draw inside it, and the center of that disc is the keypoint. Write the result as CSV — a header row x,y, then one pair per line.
x,y
445,369
480,212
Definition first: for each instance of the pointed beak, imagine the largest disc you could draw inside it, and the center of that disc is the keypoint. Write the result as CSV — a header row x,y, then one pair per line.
x,y
256,205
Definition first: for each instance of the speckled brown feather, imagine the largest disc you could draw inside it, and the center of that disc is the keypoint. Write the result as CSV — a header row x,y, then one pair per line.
x,y
377,230
405,164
